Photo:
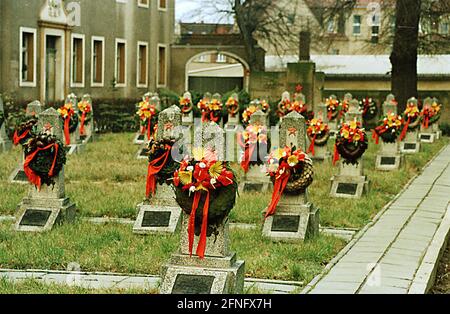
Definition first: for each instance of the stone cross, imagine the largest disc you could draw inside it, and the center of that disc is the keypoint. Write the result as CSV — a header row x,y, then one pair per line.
x,y
390,105
169,124
211,136
293,131
33,109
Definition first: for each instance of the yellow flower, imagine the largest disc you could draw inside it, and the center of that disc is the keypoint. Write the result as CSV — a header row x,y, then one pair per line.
x,y
354,124
199,153
215,170
293,161
279,153
185,177
356,137
345,133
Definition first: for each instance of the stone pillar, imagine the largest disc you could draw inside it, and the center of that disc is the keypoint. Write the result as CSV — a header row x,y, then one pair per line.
x,y
5,142
321,151
296,219
389,157
302,73
40,210
18,175
161,213
427,135
351,181
219,272
256,179
411,143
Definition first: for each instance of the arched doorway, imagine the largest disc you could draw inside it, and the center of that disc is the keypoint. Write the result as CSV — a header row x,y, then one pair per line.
x,y
216,72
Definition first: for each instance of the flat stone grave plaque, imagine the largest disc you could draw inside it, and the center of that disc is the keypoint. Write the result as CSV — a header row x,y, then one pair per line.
x,y
425,137
253,187
193,284
390,161
285,223
410,146
35,218
347,188
156,219
141,137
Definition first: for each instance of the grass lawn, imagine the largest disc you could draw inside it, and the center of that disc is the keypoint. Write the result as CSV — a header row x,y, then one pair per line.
x,y
107,180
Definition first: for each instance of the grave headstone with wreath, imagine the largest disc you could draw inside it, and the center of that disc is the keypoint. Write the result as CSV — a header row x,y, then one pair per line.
x,y
351,144
45,157
284,105
430,115
254,145
5,142
333,114
435,126
290,216
206,189
148,116
409,137
370,112
20,136
187,109
232,128
86,115
318,133
160,213
71,122
387,133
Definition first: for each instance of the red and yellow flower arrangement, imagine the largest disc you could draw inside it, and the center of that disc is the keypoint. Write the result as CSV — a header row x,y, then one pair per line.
x,y
253,140
232,106
186,105
351,142
388,129
67,113
85,109
210,109
332,108
208,182
318,133
430,115
283,107
146,113
291,171
411,118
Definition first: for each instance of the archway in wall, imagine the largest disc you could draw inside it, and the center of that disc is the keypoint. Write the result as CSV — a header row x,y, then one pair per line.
x,y
216,72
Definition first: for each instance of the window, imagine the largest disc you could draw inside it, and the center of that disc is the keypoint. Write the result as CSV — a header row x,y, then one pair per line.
x,y
357,25
143,3
98,62
27,57
77,61
444,28
162,66
221,58
375,29
202,58
162,5
121,63
142,64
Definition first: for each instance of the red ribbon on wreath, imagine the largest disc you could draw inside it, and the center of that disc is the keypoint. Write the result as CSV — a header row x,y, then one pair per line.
x,y
278,190
201,247
405,129
67,129
330,115
154,167
214,118
17,138
204,116
311,148
31,175
336,156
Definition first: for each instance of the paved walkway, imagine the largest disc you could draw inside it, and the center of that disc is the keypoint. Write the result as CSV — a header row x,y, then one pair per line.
x,y
398,253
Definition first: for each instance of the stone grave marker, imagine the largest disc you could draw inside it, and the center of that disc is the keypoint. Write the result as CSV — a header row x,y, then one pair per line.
x,y
232,130
144,149
321,153
351,181
161,213
427,135
89,127
389,157
411,143
333,124
41,210
18,175
76,146
256,179
435,126
296,219
219,272
5,142
188,118
233,117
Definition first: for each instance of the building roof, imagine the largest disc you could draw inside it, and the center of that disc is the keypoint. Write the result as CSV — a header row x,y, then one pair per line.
x,y
370,65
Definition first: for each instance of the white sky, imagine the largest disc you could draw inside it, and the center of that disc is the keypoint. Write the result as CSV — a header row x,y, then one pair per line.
x,y
195,11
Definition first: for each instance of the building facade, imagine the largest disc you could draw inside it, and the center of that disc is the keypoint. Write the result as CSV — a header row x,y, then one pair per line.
x,y
110,49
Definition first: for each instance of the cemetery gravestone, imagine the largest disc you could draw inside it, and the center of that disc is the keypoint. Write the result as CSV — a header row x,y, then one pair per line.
x,y
351,181
427,135
256,179
76,146
321,152
219,272
435,126
296,219
5,142
42,209
188,118
333,124
18,175
161,214
89,127
411,143
232,129
389,157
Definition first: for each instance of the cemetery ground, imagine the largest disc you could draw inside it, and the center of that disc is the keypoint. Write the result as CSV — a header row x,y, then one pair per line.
x,y
108,181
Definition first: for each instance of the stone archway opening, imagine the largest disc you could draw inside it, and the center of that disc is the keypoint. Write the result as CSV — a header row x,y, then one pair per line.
x,y
216,72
